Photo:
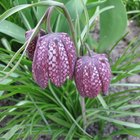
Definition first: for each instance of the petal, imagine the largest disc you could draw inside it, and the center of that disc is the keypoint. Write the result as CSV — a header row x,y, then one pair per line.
x,y
40,62
71,53
63,62
79,76
105,76
104,71
91,80
86,77
58,62
53,67
31,47
94,81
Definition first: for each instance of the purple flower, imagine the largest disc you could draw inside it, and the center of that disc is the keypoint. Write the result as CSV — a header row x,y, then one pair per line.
x,y
92,75
54,59
31,48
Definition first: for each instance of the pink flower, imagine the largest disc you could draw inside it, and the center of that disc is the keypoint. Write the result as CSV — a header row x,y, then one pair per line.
x,y
54,59
92,75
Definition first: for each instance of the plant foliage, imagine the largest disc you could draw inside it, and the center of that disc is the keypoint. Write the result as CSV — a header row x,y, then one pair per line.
x,y
31,111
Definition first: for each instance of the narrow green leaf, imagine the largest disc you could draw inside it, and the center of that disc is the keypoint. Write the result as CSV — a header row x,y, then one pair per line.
x,y
41,113
65,109
129,131
133,12
129,124
126,84
102,101
26,15
11,132
40,11
6,44
13,10
24,6
13,30
73,6
58,120
93,4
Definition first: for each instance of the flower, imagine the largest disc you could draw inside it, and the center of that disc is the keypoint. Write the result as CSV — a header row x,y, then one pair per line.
x,y
31,47
92,75
54,59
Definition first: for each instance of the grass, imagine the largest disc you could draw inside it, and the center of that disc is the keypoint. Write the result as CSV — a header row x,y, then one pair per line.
x,y
133,8
36,111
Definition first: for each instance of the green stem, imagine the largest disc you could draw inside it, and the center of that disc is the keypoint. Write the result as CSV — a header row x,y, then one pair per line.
x,y
70,24
48,14
83,112
68,17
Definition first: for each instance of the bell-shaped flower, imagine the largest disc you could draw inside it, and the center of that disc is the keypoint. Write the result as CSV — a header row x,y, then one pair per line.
x,y
92,75
54,59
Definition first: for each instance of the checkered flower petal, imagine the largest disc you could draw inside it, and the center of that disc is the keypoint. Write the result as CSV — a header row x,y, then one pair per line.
x,y
40,63
71,52
31,48
103,67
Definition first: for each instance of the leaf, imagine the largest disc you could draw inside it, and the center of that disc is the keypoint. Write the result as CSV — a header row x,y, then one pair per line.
x,y
57,134
22,17
40,11
6,44
60,121
72,6
12,11
8,80
112,24
11,132
41,113
129,124
12,30
65,109
24,6
129,131
97,12
91,4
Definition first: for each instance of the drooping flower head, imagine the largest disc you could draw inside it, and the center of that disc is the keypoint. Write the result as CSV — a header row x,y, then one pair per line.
x,y
92,75
31,47
54,59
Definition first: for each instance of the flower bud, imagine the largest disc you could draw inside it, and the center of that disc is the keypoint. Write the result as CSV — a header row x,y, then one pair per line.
x,y
54,59
92,75
31,47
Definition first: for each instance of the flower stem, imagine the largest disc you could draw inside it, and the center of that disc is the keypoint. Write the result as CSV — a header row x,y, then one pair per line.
x,y
48,14
68,17
83,112
70,24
